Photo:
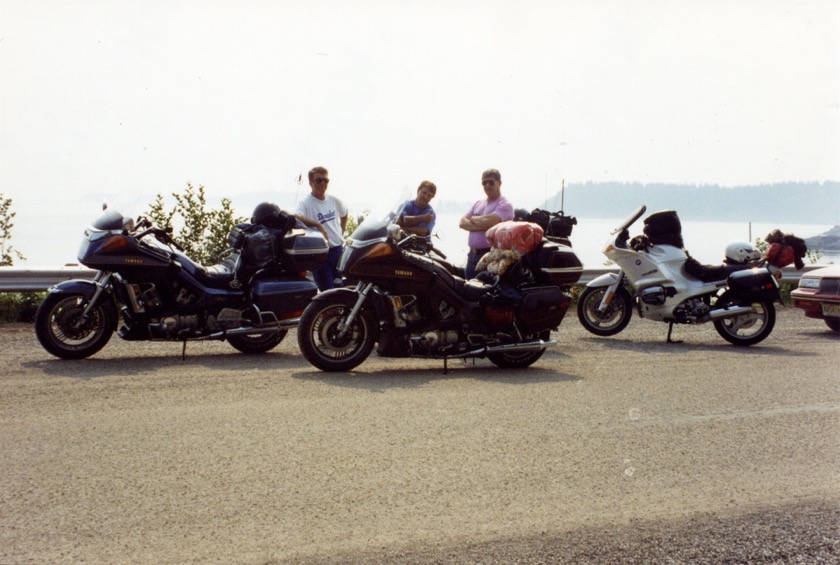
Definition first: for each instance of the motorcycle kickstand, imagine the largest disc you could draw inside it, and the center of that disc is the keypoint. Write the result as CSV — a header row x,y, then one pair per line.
x,y
670,328
184,351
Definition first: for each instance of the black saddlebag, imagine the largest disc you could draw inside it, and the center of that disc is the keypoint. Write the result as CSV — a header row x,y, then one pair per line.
x,y
664,228
304,251
754,283
542,308
286,296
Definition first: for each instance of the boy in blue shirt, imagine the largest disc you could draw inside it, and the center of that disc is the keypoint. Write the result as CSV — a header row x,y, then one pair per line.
x,y
418,217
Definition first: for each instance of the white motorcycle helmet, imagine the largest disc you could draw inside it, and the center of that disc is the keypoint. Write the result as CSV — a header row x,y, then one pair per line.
x,y
740,252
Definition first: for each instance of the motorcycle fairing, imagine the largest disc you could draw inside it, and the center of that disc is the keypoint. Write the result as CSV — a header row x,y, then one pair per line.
x,y
661,281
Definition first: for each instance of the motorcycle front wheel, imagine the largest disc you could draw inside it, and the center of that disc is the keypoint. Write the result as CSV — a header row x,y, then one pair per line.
x,y
746,329
62,331
257,342
325,346
612,320
519,359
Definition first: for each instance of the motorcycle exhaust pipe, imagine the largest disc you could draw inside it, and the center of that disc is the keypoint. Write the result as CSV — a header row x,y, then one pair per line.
x,y
289,324
729,312
511,347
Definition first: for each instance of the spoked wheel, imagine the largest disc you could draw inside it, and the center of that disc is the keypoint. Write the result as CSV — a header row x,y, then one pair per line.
x,y
257,342
519,359
612,320
324,344
746,329
63,332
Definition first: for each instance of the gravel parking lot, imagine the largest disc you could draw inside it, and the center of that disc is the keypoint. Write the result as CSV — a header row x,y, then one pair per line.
x,y
607,450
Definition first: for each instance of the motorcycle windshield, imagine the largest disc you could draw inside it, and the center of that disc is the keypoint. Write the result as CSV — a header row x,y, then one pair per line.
x,y
376,224
631,219
109,220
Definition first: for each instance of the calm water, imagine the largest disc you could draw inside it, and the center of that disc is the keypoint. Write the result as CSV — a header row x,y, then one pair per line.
x,y
50,237
705,241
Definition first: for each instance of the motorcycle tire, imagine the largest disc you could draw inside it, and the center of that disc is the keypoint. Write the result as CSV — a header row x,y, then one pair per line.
x,y
256,343
610,322
320,343
747,329
57,325
519,359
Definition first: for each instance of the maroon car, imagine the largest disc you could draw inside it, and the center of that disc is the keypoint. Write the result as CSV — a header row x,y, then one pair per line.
x,y
819,295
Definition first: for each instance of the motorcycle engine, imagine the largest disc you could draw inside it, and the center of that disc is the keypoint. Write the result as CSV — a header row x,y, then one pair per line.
x,y
691,311
655,295
432,341
172,326
405,310
143,297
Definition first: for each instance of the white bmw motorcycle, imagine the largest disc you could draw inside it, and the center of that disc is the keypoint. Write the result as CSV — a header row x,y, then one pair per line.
x,y
663,283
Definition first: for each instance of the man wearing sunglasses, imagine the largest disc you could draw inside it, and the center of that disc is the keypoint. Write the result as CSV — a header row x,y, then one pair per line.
x,y
327,214
483,215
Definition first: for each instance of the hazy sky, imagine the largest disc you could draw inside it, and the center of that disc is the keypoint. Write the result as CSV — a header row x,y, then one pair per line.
x,y
128,99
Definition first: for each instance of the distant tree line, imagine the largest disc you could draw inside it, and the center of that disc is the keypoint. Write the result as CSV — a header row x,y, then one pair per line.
x,y
791,202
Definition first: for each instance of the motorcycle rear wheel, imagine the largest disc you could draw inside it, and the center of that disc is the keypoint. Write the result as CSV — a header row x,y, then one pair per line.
x,y
257,342
607,323
321,344
747,329
519,359
61,331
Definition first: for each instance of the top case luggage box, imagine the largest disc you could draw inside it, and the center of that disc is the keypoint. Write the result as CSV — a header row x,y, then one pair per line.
x,y
559,263
304,250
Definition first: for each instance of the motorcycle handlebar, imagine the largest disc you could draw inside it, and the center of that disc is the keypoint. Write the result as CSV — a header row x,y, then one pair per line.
x,y
418,241
163,235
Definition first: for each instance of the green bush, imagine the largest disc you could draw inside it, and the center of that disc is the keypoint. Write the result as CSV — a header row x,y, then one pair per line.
x,y
19,306
202,232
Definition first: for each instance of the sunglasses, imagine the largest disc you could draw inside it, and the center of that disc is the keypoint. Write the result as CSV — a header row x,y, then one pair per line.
x,y
321,181
488,182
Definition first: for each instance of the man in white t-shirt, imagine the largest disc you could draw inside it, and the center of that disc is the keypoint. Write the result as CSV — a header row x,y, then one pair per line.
x,y
328,214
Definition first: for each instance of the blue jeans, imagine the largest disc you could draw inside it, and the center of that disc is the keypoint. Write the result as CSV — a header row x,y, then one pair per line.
x,y
326,274
472,261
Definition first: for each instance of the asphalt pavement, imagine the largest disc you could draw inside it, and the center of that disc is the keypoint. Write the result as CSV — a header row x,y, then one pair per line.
x,y
608,450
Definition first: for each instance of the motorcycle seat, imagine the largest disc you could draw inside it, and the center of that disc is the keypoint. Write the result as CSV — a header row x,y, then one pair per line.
x,y
471,289
474,289
711,273
216,276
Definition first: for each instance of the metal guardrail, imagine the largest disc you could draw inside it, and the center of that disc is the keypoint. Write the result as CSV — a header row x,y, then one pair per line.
x,y
24,279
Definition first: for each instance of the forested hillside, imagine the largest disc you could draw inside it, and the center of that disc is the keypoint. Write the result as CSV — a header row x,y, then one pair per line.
x,y
817,203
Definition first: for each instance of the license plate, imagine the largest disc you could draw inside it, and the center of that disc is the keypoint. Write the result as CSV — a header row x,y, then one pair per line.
x,y
831,310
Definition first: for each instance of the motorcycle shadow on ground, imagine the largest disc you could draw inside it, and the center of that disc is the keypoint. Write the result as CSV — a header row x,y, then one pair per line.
x,y
233,364
384,379
686,344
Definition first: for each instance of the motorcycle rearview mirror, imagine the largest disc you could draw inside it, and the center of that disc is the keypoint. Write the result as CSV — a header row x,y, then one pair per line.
x,y
395,231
